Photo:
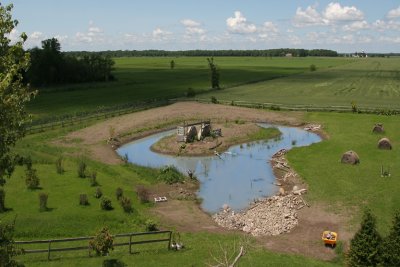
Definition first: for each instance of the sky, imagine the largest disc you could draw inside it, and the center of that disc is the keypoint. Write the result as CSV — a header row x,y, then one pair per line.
x,y
93,25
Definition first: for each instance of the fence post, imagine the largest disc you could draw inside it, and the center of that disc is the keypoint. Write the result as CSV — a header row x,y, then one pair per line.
x,y
48,251
130,244
169,242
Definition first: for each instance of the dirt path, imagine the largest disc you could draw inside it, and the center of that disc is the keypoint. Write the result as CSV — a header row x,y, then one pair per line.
x,y
186,216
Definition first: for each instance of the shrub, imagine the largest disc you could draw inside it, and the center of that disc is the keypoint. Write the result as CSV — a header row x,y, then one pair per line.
x,y
59,165
143,194
83,200
170,175
114,263
32,181
313,67
102,242
390,248
354,107
364,247
82,169
98,193
8,249
93,179
2,199
190,92
214,100
105,203
43,201
126,204
119,193
151,226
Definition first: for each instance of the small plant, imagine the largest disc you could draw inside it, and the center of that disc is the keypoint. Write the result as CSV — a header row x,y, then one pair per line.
x,y
114,263
119,193
32,181
294,142
143,194
172,64
59,165
354,107
98,193
82,169
2,198
83,200
126,204
105,203
102,242
125,158
214,100
190,92
93,179
313,67
43,201
170,175
151,226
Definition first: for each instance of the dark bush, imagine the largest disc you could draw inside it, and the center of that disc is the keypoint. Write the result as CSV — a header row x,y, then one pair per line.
x,y
119,193
126,204
83,200
81,169
93,179
151,226
98,193
170,175
313,67
214,100
43,201
143,194
32,181
105,203
59,165
102,242
2,200
114,263
190,92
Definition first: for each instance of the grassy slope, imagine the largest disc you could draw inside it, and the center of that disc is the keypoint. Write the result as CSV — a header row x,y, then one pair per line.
x,y
141,79
372,82
351,188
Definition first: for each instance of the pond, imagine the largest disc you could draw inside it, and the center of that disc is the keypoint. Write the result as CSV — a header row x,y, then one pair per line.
x,y
236,177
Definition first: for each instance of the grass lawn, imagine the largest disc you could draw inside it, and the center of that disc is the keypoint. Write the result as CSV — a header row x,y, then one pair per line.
x,y
147,78
372,82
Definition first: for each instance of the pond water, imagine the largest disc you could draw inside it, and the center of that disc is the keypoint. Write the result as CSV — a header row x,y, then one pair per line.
x,y
237,177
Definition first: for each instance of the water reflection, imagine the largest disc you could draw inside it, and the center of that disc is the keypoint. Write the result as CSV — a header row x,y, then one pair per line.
x,y
236,177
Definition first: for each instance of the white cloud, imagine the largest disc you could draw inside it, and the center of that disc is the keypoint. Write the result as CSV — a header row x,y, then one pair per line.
x,y
192,27
294,40
190,23
335,12
93,35
395,40
356,26
381,25
308,17
14,35
239,24
394,13
36,35
269,26
160,35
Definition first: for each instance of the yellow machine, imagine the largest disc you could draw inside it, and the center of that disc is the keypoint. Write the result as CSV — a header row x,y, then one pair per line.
x,y
329,238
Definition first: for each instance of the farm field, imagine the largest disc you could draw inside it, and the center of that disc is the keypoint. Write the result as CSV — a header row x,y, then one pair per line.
x,y
147,78
369,82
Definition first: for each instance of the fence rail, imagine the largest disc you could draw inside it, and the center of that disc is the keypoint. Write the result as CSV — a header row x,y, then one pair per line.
x,y
166,238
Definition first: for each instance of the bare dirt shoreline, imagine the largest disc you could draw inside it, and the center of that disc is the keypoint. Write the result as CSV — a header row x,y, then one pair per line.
x,y
186,215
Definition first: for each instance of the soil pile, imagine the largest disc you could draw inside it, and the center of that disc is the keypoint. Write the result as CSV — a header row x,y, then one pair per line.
x,y
350,157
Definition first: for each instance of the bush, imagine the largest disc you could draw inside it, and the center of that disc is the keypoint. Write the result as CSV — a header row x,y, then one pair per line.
x,y
170,175
143,194
190,92
8,249
126,204
82,169
214,100
151,226
365,245
390,248
102,242
313,67
43,201
32,181
83,200
59,165
105,203
2,199
119,193
113,263
93,179
98,193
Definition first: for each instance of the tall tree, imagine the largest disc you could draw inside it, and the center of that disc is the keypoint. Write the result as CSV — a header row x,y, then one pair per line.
x,y
214,73
13,92
365,245
390,252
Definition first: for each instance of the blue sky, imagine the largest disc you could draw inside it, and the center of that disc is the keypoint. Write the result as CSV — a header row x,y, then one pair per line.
x,y
344,26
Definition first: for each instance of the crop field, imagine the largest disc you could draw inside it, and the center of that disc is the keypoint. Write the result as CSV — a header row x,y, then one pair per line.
x,y
139,79
369,82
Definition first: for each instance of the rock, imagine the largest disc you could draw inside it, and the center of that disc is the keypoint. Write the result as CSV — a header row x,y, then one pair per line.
x,y
295,188
281,191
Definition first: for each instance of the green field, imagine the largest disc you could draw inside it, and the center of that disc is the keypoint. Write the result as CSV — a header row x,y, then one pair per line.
x,y
145,78
372,83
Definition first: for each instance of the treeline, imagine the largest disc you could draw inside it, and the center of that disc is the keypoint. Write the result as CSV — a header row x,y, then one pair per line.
x,y
212,53
50,66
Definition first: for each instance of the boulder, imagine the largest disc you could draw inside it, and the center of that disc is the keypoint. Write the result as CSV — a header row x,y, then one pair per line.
x,y
350,157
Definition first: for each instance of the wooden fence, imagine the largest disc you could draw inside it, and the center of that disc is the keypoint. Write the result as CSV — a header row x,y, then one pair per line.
x,y
167,235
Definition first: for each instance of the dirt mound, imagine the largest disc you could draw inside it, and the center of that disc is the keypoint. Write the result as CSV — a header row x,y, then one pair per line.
x,y
384,143
378,128
350,157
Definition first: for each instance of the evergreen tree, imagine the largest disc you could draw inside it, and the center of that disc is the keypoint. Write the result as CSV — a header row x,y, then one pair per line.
x,y
390,249
214,73
365,245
